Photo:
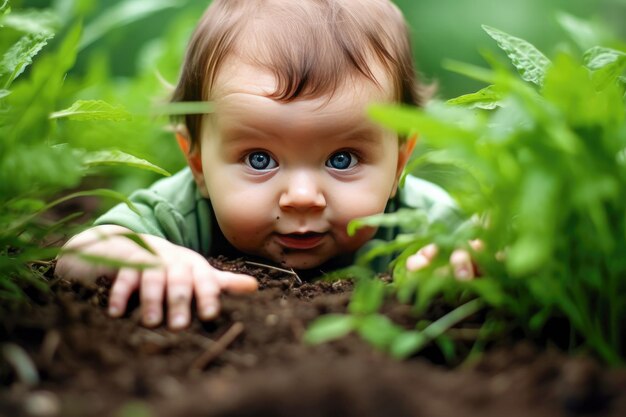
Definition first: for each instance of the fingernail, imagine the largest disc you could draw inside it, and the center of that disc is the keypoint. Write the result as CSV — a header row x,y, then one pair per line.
x,y
209,312
151,319
179,321
416,262
462,274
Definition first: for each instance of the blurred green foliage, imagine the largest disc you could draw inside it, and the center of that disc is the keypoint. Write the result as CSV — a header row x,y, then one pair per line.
x,y
537,159
441,29
45,150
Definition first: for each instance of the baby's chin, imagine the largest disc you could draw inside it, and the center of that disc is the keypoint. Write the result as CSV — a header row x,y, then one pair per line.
x,y
298,260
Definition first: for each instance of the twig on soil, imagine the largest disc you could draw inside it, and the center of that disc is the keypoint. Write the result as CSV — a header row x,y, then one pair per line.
x,y
22,364
275,268
218,348
247,360
50,345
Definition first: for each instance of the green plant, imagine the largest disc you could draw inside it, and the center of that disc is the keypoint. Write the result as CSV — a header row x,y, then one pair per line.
x,y
36,162
541,166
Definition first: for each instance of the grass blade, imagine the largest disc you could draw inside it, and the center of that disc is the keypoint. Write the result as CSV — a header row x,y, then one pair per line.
x,y
120,15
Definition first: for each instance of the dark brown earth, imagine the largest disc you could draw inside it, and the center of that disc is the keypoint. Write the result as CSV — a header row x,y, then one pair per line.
x,y
252,362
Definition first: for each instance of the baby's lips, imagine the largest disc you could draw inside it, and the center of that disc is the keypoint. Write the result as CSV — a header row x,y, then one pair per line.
x,y
303,241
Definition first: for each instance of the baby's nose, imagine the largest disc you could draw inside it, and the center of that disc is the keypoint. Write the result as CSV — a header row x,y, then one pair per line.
x,y
302,192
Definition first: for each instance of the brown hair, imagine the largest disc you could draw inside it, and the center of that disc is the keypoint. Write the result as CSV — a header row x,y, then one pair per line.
x,y
311,47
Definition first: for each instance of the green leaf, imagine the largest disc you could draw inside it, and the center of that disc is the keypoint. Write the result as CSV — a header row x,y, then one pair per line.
x,y
116,157
538,320
609,74
584,33
91,193
447,347
599,57
112,263
368,296
537,212
329,327
378,330
431,286
406,218
183,108
33,99
469,70
529,61
607,63
407,343
488,99
20,56
123,14
137,239
4,93
351,272
437,122
402,119
4,7
54,169
95,193
411,342
31,21
83,110
489,289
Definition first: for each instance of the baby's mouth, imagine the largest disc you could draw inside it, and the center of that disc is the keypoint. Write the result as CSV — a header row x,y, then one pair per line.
x,y
308,240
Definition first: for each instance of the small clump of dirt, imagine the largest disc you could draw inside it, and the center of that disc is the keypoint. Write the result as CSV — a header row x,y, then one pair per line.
x,y
252,361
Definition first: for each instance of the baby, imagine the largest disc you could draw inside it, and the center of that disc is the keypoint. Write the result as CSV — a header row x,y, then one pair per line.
x,y
281,166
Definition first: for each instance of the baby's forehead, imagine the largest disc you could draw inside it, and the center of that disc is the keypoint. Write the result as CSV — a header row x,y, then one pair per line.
x,y
240,76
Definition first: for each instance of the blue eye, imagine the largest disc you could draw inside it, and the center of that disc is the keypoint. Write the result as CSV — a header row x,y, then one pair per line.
x,y
260,161
341,160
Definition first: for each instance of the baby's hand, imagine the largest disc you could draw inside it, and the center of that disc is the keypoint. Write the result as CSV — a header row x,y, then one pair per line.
x,y
177,275
461,262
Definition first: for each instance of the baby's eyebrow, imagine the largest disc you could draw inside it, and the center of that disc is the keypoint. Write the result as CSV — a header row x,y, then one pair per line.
x,y
367,135
234,135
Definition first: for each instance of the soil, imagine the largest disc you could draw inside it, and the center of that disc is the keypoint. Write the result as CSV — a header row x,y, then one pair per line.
x,y
252,361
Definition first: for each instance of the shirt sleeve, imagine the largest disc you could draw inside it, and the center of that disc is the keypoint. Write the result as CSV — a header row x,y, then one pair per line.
x,y
434,200
171,208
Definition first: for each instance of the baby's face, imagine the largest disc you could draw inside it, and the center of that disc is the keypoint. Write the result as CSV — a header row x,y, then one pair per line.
x,y
285,179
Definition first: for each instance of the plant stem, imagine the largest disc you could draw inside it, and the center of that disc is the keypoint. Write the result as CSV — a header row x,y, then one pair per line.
x,y
440,326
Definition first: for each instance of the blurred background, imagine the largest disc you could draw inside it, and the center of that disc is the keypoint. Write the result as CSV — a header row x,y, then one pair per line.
x,y
132,49
441,29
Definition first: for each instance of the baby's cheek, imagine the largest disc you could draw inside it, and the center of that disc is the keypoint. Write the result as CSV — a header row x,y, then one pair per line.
x,y
242,217
360,206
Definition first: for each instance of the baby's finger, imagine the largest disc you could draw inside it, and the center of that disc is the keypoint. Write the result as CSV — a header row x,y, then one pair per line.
x,y
151,296
179,291
462,266
422,258
125,284
207,290
236,283
477,245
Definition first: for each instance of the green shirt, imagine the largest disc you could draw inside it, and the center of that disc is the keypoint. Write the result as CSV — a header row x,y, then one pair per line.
x,y
172,208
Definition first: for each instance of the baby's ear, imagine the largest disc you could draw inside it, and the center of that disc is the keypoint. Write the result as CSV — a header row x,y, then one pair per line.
x,y
193,157
404,153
